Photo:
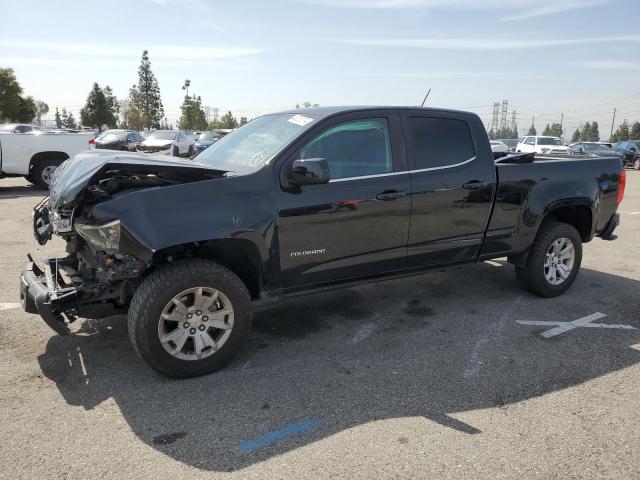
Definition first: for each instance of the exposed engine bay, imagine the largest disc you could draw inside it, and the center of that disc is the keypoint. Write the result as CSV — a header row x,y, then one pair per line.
x,y
104,262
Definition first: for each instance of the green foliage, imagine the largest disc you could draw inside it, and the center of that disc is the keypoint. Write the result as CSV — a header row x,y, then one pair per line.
x,y
131,115
58,118
243,120
553,130
576,136
635,131
13,106
67,120
532,130
41,110
193,116
227,121
100,108
622,133
145,97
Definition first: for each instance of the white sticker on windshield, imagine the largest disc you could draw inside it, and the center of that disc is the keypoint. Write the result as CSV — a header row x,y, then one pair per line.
x,y
300,120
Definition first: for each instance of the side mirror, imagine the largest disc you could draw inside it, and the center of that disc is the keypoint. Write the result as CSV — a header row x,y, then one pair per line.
x,y
310,171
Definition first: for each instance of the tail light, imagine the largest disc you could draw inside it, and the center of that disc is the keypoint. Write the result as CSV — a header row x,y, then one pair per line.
x,y
622,182
92,143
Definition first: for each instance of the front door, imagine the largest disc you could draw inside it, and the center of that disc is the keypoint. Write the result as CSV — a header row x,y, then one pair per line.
x,y
454,181
357,224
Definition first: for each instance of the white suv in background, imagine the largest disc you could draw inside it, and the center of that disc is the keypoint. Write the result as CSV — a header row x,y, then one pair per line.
x,y
540,144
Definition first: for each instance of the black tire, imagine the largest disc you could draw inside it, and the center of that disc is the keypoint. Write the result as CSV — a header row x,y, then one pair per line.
x,y
43,166
176,152
532,275
29,179
159,288
636,163
190,152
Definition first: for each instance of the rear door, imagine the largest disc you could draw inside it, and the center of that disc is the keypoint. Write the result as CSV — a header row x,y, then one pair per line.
x,y
453,183
358,223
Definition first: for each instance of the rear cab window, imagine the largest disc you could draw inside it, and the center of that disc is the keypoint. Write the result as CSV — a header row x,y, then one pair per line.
x,y
440,142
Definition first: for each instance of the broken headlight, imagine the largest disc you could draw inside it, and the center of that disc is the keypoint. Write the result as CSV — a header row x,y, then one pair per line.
x,y
105,236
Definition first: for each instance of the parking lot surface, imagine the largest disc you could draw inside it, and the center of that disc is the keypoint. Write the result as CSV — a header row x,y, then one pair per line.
x,y
443,375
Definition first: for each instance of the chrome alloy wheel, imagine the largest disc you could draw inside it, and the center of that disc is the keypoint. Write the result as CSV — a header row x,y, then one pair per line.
x,y
559,261
195,323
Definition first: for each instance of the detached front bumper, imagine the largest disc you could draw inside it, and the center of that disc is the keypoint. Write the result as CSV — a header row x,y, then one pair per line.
x,y
41,294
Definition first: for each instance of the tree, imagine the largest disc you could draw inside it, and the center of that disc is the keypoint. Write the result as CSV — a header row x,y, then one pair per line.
x,y
13,106
243,121
146,95
58,118
576,136
193,116
635,131
41,110
553,130
227,121
99,109
532,130
67,120
622,133
586,132
594,134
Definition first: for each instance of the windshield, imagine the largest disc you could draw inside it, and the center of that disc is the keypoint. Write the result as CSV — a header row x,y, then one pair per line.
x,y
549,141
511,142
112,137
209,136
163,135
250,147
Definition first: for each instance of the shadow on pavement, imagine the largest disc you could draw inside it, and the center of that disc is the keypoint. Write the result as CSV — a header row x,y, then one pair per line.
x,y
451,347
18,191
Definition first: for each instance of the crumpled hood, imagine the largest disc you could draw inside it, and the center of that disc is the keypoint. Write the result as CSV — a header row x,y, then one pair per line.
x,y
74,175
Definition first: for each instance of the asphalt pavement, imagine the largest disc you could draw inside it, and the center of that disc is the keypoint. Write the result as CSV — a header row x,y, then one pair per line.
x,y
444,375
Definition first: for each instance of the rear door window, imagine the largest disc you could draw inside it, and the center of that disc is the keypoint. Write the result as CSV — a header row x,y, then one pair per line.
x,y
440,142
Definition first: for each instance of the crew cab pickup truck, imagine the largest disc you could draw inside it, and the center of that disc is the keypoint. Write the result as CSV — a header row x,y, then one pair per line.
x,y
36,156
297,202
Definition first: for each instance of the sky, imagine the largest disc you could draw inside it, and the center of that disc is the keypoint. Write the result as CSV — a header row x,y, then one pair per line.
x,y
580,58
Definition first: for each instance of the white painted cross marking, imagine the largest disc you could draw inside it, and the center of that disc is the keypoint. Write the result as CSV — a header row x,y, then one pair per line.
x,y
8,306
584,322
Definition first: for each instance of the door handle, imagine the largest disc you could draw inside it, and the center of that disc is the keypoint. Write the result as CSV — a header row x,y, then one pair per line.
x,y
475,185
390,195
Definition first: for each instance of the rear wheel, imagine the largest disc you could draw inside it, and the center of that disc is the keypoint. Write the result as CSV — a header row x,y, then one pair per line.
x,y
189,318
43,171
176,152
554,260
29,179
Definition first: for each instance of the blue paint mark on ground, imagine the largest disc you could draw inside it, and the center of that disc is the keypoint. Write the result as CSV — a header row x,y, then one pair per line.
x,y
279,434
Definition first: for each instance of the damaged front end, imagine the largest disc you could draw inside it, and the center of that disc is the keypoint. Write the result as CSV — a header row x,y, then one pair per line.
x,y
104,263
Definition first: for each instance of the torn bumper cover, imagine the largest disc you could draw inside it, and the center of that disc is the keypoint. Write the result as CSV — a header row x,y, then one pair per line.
x,y
41,293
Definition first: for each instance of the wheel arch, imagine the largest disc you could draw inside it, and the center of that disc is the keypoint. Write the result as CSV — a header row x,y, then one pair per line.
x,y
46,155
241,256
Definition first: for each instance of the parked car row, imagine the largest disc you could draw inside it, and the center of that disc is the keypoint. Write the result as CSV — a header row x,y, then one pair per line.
x,y
176,143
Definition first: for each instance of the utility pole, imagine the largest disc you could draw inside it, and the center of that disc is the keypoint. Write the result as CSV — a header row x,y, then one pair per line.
x,y
612,122
561,130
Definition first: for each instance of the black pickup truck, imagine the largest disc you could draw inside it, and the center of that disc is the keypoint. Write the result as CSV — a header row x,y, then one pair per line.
x,y
298,202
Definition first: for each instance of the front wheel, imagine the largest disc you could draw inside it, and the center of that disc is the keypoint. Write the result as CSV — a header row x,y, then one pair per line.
x,y
554,260
176,152
189,318
636,164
